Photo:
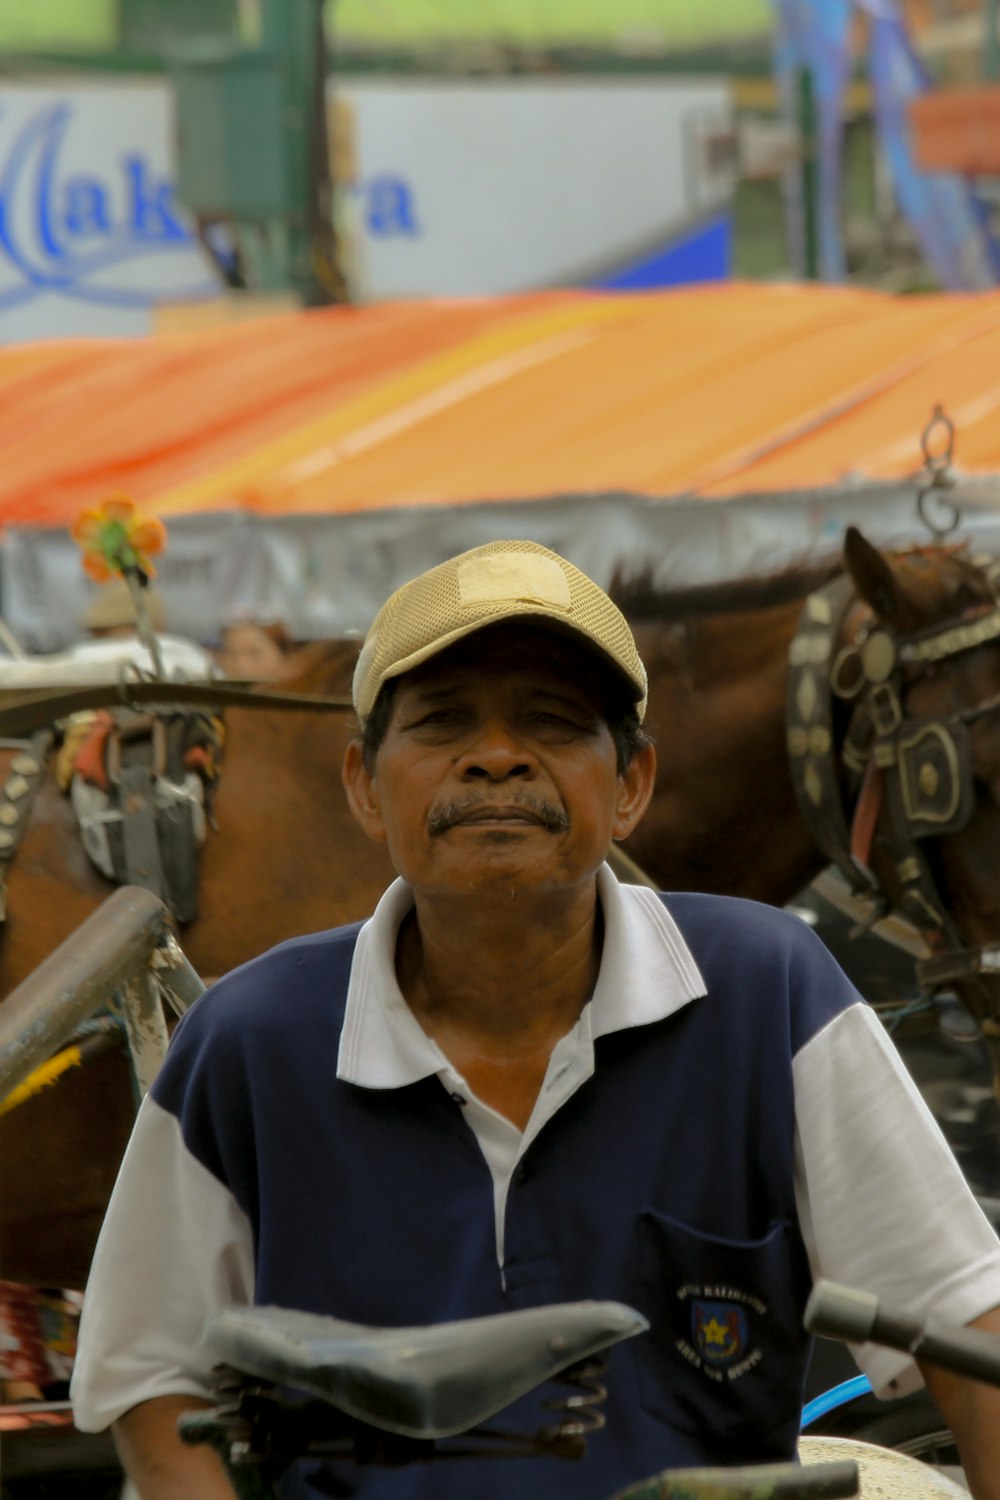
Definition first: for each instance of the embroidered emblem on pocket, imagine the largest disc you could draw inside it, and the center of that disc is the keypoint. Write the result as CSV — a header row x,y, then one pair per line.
x,y
719,1331
720,1342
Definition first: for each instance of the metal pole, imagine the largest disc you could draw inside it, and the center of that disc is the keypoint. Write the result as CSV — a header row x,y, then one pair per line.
x,y
991,51
294,30
138,1004
76,979
809,178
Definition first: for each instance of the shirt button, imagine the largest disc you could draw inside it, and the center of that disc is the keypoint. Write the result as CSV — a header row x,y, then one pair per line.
x,y
459,1099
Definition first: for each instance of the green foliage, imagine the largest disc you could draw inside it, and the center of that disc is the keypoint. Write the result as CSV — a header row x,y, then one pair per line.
x,y
96,25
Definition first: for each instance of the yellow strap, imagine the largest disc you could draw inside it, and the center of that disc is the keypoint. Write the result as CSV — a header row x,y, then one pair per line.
x,y
41,1078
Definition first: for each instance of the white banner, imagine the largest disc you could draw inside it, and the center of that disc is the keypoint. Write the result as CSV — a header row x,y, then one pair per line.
x,y
457,188
498,185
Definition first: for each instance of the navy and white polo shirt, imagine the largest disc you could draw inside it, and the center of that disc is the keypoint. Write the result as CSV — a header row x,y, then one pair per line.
x,y
726,1121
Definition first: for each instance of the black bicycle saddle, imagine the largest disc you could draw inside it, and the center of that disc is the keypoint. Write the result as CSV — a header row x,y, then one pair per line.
x,y
420,1382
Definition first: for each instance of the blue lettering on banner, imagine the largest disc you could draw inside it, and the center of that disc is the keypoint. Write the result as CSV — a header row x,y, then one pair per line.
x,y
59,232
87,210
389,207
150,204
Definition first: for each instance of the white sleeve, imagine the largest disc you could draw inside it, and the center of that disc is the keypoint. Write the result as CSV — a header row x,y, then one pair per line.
x,y
175,1248
882,1202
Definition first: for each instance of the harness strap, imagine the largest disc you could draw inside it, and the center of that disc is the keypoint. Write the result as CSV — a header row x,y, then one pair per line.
x,y
927,646
869,805
816,775
141,846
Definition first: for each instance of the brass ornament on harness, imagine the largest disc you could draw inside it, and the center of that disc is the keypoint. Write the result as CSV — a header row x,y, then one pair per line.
x,y
17,797
878,656
935,776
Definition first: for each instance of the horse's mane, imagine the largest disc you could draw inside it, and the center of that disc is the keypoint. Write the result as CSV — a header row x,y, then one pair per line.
x,y
324,667
640,597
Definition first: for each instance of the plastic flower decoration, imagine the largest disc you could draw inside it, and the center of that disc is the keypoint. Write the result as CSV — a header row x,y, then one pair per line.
x,y
117,540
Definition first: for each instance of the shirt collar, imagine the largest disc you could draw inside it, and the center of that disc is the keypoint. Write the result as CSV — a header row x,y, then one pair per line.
x,y
647,972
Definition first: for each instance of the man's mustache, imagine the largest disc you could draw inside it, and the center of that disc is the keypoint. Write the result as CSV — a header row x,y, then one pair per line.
x,y
552,818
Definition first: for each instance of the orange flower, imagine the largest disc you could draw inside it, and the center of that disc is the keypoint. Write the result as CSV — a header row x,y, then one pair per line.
x,y
115,539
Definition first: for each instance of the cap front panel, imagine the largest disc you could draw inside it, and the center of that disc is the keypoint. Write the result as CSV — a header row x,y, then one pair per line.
x,y
504,578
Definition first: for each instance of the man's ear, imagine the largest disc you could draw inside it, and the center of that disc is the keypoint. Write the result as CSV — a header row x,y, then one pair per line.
x,y
635,788
361,791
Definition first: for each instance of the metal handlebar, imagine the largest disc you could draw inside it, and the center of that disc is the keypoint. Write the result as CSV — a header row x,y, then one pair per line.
x,y
855,1317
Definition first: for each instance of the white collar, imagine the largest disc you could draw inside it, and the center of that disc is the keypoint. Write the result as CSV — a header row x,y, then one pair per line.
x,y
647,972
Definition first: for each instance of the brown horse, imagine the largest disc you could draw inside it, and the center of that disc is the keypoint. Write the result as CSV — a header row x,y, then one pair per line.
x,y
725,817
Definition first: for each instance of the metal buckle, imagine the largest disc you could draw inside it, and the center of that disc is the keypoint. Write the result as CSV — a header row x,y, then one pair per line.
x,y
883,704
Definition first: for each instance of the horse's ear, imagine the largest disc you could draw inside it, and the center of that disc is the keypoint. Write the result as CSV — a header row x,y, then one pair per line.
x,y
877,583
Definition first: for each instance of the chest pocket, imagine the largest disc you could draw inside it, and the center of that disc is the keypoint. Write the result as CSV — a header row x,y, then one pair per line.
x,y
726,1350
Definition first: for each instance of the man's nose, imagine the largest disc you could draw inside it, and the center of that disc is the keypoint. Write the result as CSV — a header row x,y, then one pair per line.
x,y
496,751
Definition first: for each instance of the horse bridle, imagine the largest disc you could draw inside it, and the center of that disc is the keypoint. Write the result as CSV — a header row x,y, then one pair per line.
x,y
919,769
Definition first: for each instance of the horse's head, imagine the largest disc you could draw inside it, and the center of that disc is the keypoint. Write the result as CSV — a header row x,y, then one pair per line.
x,y
921,668
323,667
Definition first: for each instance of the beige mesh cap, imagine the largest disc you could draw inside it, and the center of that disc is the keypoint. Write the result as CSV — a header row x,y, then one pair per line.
x,y
499,581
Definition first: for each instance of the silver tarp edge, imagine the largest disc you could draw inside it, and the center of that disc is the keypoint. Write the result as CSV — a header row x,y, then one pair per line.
x,y
326,575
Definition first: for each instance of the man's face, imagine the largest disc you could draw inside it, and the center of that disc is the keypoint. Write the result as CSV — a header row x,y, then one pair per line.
x,y
498,769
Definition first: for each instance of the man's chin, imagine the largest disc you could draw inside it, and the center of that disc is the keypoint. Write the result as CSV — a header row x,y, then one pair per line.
x,y
508,869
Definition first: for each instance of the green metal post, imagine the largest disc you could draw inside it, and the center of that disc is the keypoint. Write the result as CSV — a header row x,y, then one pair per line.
x,y
294,31
809,176
991,51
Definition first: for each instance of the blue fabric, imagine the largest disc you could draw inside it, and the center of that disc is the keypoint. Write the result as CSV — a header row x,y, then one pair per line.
x,y
665,1182
704,252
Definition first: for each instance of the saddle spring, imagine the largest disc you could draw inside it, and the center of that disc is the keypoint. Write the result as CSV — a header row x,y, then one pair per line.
x,y
582,1406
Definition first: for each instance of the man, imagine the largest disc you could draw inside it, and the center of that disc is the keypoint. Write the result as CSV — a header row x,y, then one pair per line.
x,y
113,638
521,1083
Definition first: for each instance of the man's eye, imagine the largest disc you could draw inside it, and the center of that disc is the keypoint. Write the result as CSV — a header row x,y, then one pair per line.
x,y
550,719
435,718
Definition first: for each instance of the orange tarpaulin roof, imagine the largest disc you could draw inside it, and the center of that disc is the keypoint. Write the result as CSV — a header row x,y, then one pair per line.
x,y
713,390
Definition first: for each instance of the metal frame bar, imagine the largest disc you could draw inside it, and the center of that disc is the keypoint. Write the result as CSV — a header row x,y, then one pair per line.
x,y
123,954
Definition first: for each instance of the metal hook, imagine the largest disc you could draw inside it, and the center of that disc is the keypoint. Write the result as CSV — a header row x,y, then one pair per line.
x,y
128,673
938,462
937,465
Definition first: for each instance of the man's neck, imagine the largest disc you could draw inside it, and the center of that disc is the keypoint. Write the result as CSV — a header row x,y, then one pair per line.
x,y
498,985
